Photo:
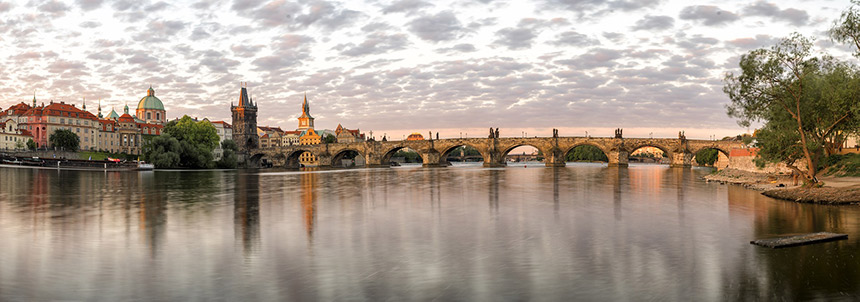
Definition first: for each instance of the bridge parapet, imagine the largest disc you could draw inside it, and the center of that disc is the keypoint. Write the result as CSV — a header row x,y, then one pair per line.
x,y
493,150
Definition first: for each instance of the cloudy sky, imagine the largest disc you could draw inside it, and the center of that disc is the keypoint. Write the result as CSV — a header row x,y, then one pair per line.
x,y
648,66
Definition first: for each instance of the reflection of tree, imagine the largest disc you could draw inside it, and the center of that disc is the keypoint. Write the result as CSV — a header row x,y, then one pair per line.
x,y
798,273
153,208
246,211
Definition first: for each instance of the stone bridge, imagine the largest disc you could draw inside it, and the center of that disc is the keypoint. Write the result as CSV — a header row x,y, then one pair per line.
x,y
434,153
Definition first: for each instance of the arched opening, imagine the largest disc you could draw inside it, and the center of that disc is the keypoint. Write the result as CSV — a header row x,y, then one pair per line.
x,y
711,157
648,154
461,155
401,156
523,155
300,158
586,154
348,158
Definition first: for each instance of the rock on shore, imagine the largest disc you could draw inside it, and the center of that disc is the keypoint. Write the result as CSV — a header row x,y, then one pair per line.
x,y
781,187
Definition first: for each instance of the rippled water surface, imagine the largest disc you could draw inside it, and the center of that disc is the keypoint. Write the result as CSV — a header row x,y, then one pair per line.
x,y
584,232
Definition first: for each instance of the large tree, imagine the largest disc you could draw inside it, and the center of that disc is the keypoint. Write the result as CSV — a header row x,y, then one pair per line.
x,y
184,143
229,158
802,100
65,139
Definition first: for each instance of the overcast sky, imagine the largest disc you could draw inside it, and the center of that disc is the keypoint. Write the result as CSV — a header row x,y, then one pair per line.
x,y
649,66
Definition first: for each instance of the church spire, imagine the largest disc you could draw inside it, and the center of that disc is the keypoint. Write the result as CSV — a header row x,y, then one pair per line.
x,y
84,106
306,109
34,98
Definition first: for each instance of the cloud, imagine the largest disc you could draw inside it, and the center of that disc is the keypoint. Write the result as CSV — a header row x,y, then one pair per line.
x,y
243,5
594,58
654,23
767,9
5,7
759,41
443,26
376,43
515,38
406,6
708,15
572,38
88,5
55,8
465,47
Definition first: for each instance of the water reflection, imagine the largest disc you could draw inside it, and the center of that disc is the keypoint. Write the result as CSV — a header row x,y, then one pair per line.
x,y
584,232
246,211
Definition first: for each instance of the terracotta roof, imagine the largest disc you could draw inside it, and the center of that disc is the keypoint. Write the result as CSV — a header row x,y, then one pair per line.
x,y
226,125
743,152
126,118
16,109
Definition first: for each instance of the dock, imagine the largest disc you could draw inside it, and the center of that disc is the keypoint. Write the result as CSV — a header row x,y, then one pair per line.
x,y
797,240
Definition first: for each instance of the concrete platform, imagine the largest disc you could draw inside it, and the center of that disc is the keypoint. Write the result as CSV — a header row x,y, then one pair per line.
x,y
797,240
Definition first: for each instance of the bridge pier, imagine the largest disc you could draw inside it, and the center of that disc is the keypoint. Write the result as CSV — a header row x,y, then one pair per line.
x,y
681,160
554,158
618,158
430,158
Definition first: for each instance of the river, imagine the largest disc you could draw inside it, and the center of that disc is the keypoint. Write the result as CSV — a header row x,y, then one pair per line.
x,y
583,232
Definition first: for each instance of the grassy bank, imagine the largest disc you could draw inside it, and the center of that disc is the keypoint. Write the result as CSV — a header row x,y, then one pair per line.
x,y
842,165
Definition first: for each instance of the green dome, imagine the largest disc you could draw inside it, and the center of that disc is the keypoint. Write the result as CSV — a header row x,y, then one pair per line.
x,y
150,101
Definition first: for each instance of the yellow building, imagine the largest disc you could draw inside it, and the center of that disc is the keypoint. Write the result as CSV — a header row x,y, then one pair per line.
x,y
309,137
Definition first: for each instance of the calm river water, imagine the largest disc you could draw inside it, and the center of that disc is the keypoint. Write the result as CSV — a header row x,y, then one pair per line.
x,y
584,232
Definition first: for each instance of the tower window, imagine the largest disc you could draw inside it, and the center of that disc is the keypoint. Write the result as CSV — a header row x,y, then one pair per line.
x,y
149,115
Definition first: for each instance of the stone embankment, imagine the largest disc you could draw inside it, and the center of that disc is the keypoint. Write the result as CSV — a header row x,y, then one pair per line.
x,y
836,190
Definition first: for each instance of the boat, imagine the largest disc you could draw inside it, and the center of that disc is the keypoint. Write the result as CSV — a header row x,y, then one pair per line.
x,y
394,164
143,166
14,161
34,161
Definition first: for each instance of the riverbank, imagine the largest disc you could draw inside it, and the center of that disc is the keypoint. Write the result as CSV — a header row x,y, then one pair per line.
x,y
836,190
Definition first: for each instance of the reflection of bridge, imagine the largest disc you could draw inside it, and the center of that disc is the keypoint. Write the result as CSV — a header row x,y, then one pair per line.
x,y
493,150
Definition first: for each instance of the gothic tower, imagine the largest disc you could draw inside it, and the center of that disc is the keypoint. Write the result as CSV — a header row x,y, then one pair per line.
x,y
306,121
245,122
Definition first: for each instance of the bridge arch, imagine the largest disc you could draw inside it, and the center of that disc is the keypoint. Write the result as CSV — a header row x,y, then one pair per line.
x,y
293,157
345,154
722,160
667,151
585,144
544,153
447,151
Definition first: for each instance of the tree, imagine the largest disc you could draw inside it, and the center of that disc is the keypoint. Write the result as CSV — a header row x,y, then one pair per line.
x,y
31,144
163,152
707,157
586,153
184,143
329,139
65,139
802,100
229,159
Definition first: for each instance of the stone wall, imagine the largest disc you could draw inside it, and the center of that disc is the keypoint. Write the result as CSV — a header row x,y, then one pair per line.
x,y
743,159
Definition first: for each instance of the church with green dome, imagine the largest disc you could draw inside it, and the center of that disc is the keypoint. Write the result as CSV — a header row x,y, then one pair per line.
x,y
150,109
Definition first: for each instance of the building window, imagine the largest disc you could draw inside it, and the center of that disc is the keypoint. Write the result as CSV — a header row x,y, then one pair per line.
x,y
158,116
149,115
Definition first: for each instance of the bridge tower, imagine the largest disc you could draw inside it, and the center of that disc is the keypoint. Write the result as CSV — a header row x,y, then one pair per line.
x,y
245,122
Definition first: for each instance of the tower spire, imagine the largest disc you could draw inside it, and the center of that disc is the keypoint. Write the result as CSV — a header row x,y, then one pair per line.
x,y
34,97
84,106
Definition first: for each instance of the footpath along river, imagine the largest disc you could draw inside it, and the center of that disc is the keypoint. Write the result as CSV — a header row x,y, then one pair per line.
x,y
582,232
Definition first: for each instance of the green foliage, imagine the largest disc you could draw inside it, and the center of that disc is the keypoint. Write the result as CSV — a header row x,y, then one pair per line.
x,y
164,152
843,165
19,145
586,153
408,156
847,28
707,157
329,139
31,144
64,139
229,159
805,102
183,143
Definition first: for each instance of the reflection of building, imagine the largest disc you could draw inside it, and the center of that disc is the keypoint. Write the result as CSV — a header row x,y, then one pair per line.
x,y
415,137
246,211
308,185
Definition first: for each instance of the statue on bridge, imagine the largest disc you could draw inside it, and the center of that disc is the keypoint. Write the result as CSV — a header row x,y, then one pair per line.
x,y
554,133
491,133
497,132
618,133
384,138
437,135
682,136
